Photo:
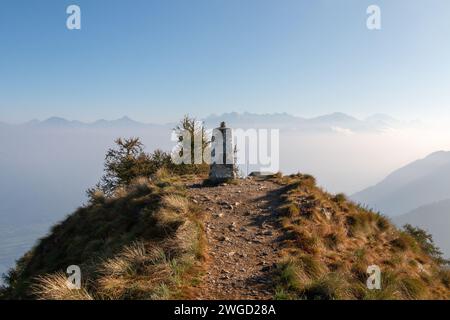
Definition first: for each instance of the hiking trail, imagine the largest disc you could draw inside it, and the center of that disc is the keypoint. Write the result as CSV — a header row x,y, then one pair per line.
x,y
243,238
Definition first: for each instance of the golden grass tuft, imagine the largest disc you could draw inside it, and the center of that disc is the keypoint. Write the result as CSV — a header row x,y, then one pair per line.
x,y
176,203
55,287
331,241
132,260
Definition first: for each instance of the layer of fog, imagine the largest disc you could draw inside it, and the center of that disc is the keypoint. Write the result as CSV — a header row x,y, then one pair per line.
x,y
351,162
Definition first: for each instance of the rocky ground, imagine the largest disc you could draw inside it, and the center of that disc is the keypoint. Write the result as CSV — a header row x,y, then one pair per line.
x,y
243,238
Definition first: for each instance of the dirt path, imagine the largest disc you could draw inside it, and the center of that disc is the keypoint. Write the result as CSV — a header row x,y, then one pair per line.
x,y
243,239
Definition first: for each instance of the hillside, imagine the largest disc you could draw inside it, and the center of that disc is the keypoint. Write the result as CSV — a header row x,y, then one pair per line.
x,y
435,218
419,183
278,238
331,241
136,244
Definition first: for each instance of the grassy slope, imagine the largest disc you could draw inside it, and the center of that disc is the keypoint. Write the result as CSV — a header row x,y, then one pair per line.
x,y
330,242
145,242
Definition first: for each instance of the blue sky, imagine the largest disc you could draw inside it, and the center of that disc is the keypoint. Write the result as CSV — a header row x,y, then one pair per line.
x,y
155,60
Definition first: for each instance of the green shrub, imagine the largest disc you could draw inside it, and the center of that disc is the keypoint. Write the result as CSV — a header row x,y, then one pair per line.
x,y
383,222
444,275
359,270
360,254
412,288
310,265
290,210
358,222
281,294
311,180
288,275
329,287
332,240
404,241
304,241
340,198
425,241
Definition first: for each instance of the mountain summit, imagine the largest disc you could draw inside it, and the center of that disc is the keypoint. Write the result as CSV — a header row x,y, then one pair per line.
x,y
174,237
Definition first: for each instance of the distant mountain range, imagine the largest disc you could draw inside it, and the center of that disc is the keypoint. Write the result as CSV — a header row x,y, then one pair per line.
x,y
419,183
335,122
57,122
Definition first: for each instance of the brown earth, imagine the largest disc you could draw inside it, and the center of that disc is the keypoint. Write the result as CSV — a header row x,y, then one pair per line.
x,y
243,238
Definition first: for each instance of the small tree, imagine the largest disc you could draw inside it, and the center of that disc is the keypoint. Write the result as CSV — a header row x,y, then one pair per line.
x,y
124,163
160,159
199,144
127,160
196,132
425,240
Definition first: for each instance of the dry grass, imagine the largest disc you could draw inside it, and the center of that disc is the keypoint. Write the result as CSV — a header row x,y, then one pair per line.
x,y
413,289
137,272
55,287
132,260
329,287
331,241
156,271
176,203
143,242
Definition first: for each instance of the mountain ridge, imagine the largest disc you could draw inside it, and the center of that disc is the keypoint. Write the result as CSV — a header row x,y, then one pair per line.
x,y
422,181
279,237
245,118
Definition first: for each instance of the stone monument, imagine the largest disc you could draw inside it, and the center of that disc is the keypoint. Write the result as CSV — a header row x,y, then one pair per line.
x,y
222,154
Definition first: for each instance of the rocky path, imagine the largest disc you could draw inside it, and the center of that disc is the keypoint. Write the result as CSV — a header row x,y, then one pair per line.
x,y
243,239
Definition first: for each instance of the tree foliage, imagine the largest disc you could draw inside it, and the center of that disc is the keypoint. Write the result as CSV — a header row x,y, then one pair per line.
x,y
124,163
127,160
425,241
193,142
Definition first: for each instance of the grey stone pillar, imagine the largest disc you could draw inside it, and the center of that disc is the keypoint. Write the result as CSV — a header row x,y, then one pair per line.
x,y
222,154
